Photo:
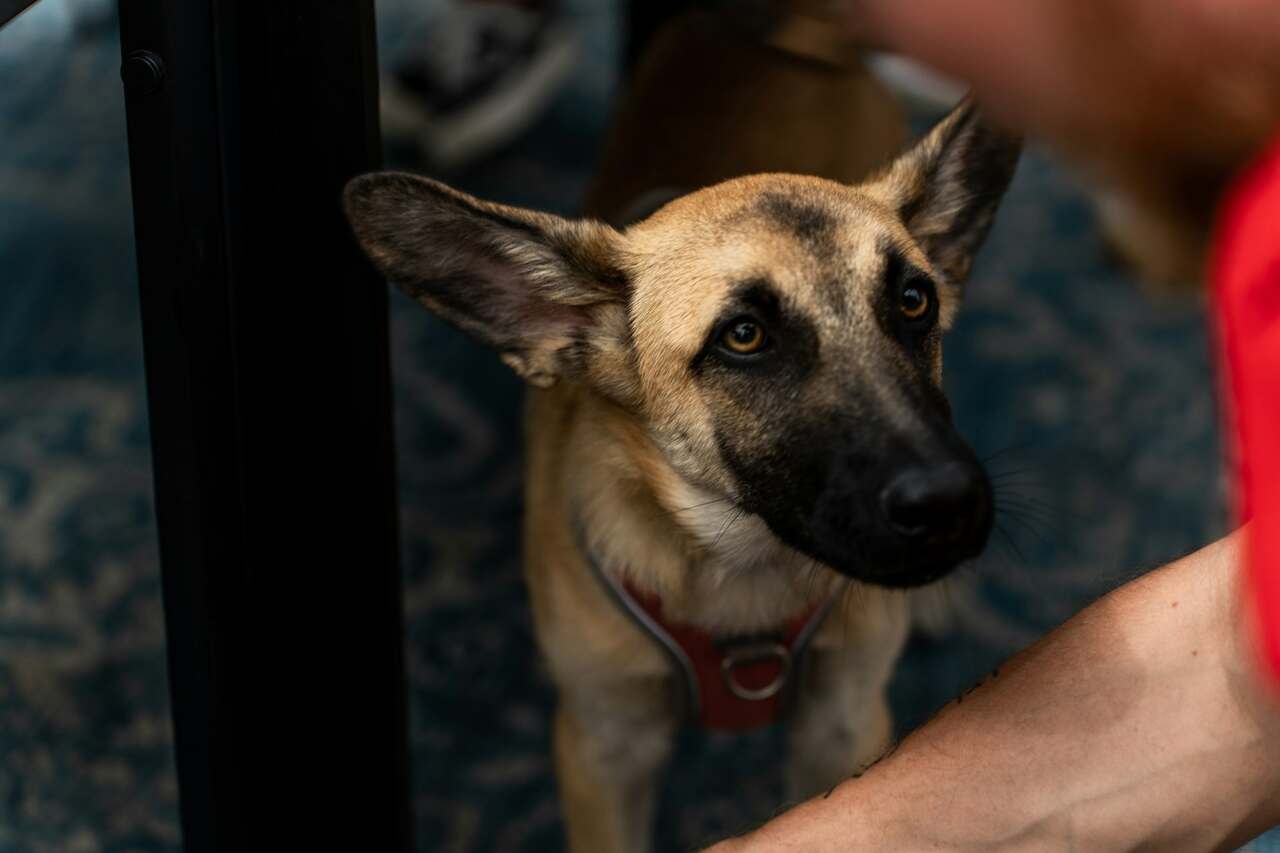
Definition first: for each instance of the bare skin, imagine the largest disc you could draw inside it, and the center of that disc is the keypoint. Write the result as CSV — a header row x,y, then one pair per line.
x,y
1137,725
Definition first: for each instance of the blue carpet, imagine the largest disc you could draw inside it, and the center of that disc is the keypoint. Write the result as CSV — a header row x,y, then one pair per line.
x,y
1093,393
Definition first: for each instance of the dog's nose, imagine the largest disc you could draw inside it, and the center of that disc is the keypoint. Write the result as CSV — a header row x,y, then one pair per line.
x,y
933,505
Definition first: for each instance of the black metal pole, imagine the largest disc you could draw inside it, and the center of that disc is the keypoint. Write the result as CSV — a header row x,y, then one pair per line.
x,y
265,335
10,9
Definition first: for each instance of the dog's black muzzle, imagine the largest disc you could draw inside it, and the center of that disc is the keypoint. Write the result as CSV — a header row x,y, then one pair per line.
x,y
903,520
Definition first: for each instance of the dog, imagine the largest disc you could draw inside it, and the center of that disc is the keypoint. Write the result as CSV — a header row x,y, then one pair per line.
x,y
737,443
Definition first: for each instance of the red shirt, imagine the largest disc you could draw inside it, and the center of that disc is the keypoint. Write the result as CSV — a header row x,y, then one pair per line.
x,y
1246,283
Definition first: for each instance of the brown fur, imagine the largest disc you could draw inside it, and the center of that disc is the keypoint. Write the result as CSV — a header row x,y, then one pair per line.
x,y
708,102
625,444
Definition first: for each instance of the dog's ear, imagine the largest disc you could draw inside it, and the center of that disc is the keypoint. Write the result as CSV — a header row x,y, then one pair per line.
x,y
946,189
530,285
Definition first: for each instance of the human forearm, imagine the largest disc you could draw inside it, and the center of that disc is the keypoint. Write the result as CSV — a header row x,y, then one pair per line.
x,y
1133,724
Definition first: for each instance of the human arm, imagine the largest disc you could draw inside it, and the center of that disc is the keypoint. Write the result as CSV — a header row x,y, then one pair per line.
x,y
1138,724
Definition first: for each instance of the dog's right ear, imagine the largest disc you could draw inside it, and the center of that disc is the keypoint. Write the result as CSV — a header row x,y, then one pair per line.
x,y
947,187
530,285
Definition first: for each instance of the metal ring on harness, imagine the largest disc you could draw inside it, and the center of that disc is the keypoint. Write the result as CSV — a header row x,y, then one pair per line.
x,y
749,653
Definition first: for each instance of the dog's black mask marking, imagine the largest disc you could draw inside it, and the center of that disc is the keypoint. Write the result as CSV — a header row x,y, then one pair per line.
x,y
838,435
821,487
860,469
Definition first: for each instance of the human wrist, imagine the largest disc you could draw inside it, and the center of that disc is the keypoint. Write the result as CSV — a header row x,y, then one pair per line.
x,y
855,815
1259,700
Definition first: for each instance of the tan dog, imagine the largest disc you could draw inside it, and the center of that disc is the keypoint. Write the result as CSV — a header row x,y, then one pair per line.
x,y
740,407
738,410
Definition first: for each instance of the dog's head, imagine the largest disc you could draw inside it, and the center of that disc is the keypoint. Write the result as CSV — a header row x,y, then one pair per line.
x,y
779,337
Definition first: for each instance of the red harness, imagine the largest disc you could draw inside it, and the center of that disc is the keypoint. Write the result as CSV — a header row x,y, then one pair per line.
x,y
730,683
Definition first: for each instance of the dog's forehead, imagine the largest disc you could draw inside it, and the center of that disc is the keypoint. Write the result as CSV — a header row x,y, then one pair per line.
x,y
808,238
804,205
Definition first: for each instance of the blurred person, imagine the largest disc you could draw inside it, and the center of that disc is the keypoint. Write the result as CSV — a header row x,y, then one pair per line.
x,y
484,72
1148,720
1159,100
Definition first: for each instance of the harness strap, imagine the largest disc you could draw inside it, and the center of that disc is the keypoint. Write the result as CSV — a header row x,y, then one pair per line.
x,y
742,682
730,683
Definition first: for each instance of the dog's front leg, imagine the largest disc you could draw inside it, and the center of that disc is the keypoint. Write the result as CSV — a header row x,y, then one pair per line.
x,y
608,757
832,737
842,721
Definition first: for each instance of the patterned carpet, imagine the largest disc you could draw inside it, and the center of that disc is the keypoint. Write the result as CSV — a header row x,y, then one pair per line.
x,y
1060,369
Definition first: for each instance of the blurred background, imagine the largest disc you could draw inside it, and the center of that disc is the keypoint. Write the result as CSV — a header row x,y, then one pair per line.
x,y
1088,393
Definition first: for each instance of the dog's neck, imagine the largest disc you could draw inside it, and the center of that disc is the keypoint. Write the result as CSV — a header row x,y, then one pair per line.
x,y
713,564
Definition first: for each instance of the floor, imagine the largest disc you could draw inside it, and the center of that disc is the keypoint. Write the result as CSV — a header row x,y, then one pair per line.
x,y
1091,395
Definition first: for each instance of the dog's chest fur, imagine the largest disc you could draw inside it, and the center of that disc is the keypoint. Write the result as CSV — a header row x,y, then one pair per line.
x,y
712,564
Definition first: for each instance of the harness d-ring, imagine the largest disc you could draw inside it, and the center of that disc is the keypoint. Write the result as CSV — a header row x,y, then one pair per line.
x,y
747,654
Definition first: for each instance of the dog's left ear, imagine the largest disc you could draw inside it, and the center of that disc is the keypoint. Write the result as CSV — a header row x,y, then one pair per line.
x,y
947,188
541,290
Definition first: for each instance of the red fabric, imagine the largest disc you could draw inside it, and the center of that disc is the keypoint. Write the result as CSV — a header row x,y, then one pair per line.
x,y
1246,280
719,709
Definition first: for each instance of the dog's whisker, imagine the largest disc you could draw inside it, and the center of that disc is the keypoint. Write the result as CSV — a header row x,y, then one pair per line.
x,y
1022,492
1032,507
1021,482
1042,521
1042,516
1012,472
1011,543
810,580
1033,510
848,599
1049,511
699,505
733,519
1043,537
1017,481
1011,496
1005,451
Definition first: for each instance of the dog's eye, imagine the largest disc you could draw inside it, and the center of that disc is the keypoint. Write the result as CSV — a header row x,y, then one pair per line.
x,y
743,336
913,301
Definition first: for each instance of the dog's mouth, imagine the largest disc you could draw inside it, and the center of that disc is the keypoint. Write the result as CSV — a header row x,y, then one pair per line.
x,y
905,576
894,571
